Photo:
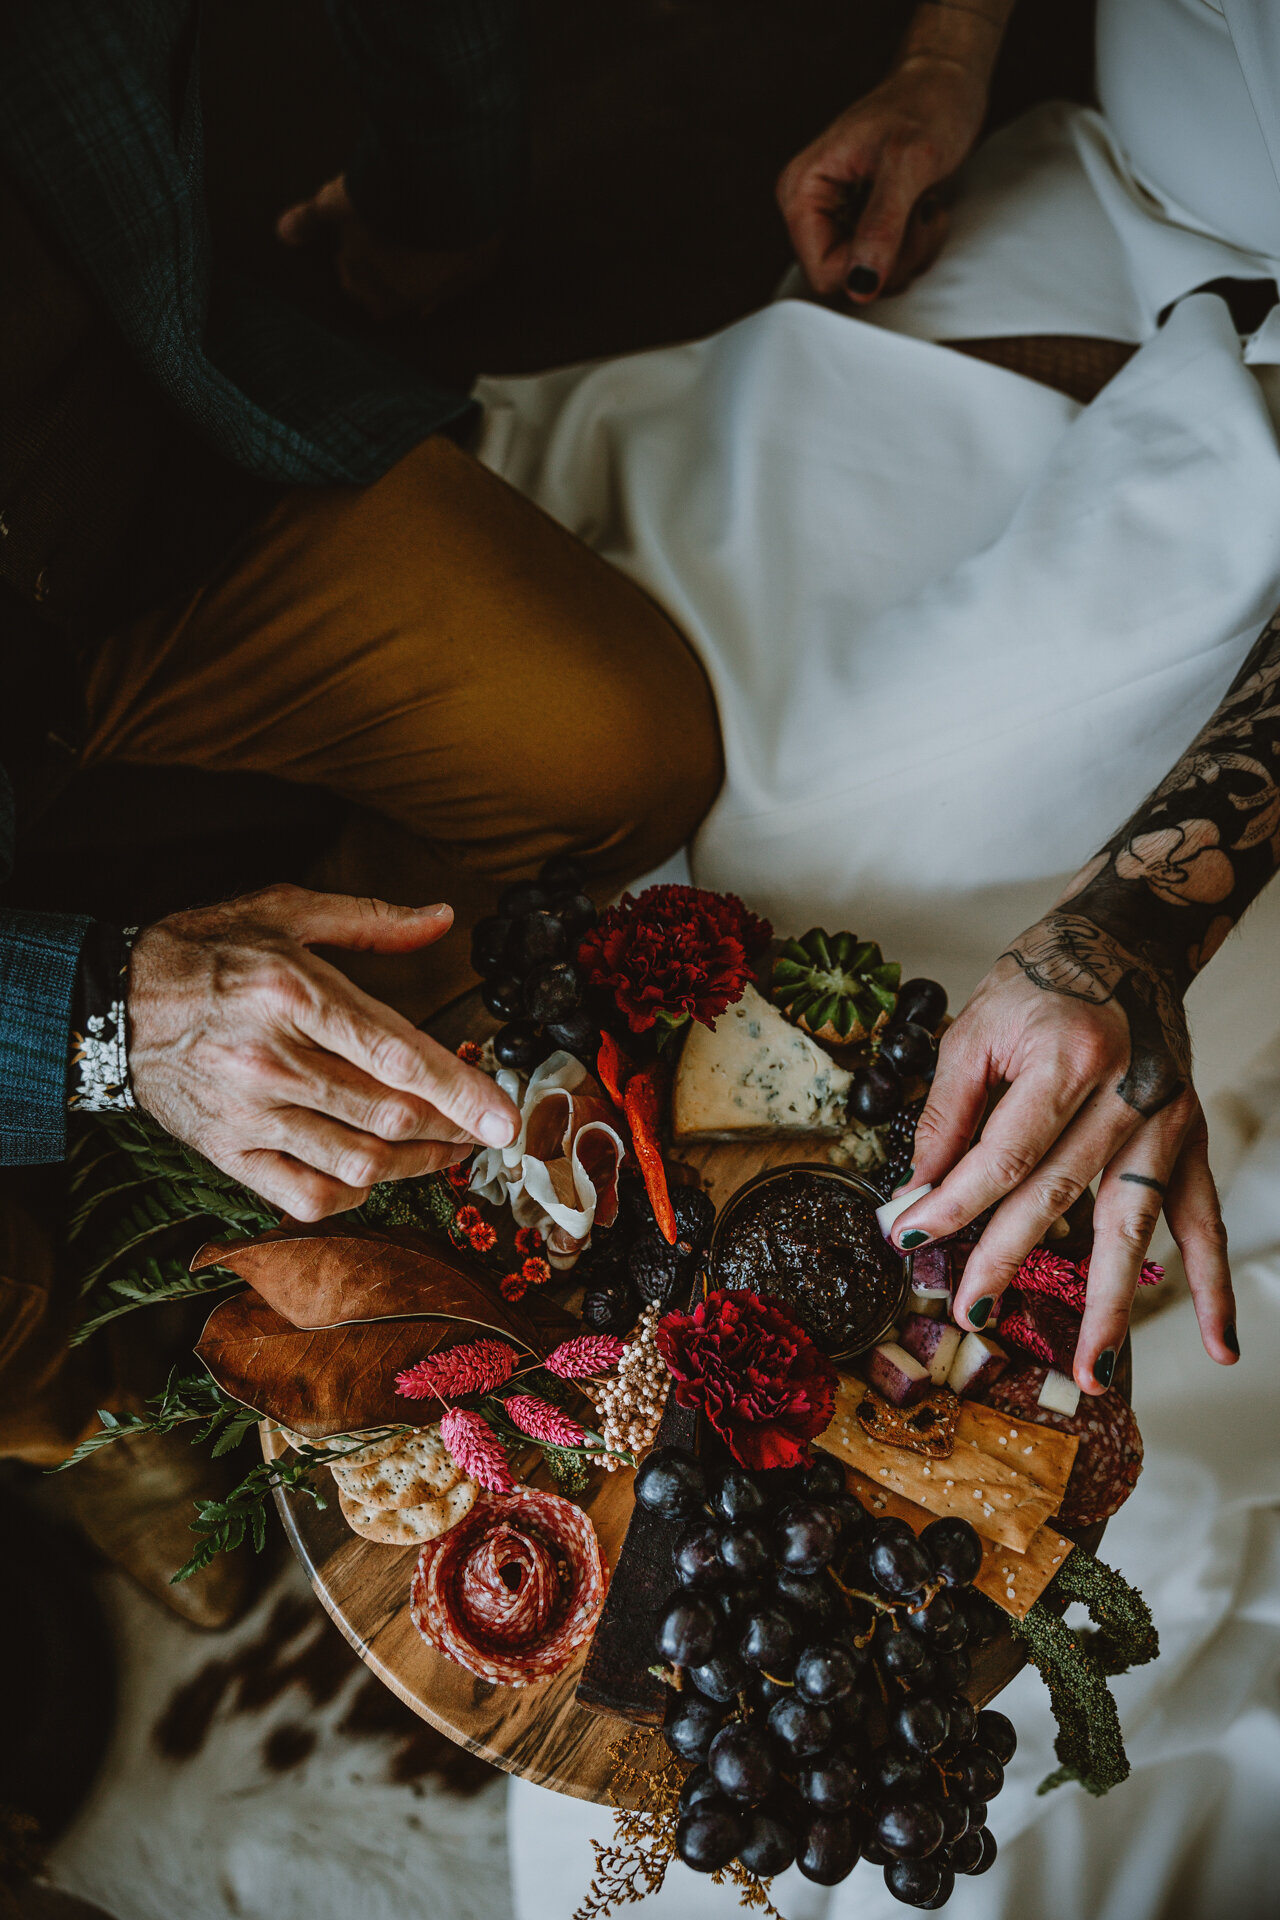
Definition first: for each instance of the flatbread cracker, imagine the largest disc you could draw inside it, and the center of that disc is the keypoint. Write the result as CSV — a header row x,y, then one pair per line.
x,y
415,1469
410,1526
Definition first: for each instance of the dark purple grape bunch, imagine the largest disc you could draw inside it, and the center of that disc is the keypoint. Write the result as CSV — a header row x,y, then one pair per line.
x,y
524,953
907,1051
797,1626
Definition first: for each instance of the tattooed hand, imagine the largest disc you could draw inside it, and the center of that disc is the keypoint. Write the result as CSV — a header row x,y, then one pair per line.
x,y
1081,1021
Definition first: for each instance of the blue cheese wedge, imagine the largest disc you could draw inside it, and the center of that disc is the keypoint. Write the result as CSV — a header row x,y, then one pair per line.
x,y
756,1077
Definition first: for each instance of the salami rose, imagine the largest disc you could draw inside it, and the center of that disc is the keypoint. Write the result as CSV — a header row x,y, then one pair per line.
x,y
514,1589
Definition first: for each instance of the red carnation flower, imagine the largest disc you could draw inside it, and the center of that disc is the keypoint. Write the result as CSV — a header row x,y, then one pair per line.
x,y
674,954
762,1383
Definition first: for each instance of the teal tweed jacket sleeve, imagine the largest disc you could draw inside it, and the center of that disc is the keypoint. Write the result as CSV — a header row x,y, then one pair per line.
x,y
39,953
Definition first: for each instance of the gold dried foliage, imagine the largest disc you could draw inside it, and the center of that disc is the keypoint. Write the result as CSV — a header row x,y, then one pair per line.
x,y
634,1863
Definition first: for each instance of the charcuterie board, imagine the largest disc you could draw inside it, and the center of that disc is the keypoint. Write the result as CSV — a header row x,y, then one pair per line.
x,y
540,1732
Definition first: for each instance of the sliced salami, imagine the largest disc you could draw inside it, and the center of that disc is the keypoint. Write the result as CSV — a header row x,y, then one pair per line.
x,y
1110,1456
514,1589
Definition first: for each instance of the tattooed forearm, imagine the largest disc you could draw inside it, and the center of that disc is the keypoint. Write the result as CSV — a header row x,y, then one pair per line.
x,y
1149,910
1179,874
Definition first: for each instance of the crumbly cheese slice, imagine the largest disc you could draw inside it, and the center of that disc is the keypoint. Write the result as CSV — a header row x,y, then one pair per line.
x,y
755,1076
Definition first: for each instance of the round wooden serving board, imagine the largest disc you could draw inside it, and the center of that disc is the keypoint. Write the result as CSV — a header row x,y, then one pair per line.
x,y
539,1732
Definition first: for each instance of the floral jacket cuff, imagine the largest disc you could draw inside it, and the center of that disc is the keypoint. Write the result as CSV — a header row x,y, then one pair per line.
x,y
98,1063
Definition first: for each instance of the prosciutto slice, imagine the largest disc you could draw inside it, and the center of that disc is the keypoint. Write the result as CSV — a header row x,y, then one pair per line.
x,y
560,1173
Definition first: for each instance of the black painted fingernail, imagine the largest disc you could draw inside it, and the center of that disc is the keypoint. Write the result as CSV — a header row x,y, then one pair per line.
x,y
980,1311
1230,1338
915,1238
1104,1366
863,280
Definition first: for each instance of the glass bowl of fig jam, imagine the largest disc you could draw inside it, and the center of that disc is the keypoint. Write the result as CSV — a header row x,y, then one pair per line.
x,y
808,1235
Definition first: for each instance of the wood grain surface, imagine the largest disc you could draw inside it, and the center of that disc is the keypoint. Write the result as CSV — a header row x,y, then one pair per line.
x,y
539,1732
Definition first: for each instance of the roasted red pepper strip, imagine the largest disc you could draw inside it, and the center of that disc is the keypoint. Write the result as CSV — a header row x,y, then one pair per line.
x,y
642,1104
614,1068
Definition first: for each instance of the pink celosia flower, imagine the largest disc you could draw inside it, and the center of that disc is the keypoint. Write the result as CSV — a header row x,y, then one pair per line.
x,y
475,1447
477,1367
542,1421
588,1353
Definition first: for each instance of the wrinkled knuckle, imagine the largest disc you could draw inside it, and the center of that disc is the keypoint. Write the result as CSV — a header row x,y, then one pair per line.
x,y
1054,1190
1135,1227
395,1120
364,1166
1211,1229
1010,1166
314,1199
256,1064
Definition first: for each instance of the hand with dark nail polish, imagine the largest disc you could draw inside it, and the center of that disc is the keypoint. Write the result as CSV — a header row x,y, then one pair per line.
x,y
862,280
980,1311
1104,1366
1231,1339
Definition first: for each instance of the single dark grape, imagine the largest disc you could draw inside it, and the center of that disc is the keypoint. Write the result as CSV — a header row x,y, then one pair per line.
x,y
982,1617
979,1774
721,1678
902,1655
811,1601
824,1481
770,1845
708,1837
687,1632
954,1549
612,1308
873,1853
828,1850
535,940
955,1819
746,1550
876,1094
832,1782
768,1641
977,1813
766,1693
699,1786
670,1484
553,991
693,1725
800,1727
899,1567
489,941
561,873
739,1496
920,1883
521,897
907,1048
965,1852
995,1732
807,1536
578,1035
696,1555
908,1827
577,912
961,1719
941,1622
742,1763
989,1851
902,1774
952,1670
921,1001
920,1722
852,1708
891,1529
653,1267
519,1045
825,1674
736,1603
504,997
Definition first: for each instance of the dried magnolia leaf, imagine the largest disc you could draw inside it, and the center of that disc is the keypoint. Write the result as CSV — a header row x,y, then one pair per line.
x,y
330,1279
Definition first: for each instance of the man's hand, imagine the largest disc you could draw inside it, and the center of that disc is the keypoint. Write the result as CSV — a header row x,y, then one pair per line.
x,y
388,280
275,1067
1091,1043
861,203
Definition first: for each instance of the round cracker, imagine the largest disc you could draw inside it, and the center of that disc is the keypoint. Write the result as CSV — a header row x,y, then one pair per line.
x,y
410,1526
409,1474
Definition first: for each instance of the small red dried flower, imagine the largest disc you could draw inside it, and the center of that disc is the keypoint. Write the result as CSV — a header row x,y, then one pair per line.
x,y
470,1054
476,1448
585,1354
673,953
542,1421
483,1238
535,1272
528,1240
476,1367
466,1219
513,1286
762,1383
459,1175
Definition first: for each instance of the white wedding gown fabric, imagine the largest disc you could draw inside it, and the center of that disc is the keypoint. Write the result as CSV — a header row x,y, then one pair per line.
x,y
957,626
